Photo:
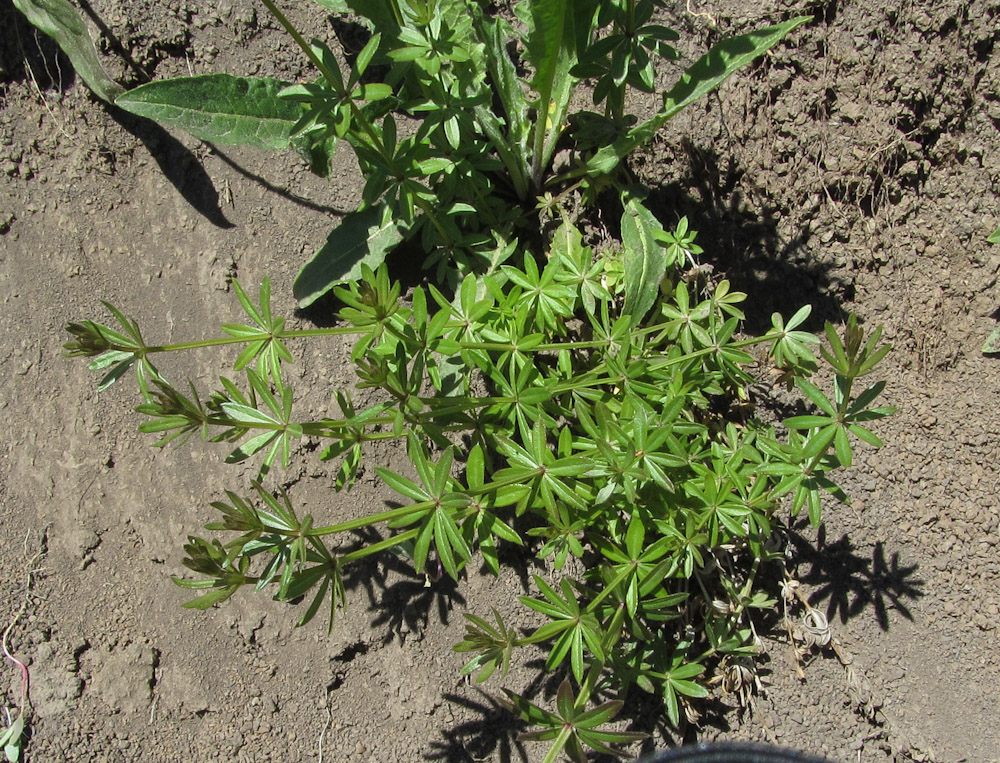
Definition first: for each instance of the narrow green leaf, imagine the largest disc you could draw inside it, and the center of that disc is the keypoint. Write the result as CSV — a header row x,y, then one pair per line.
x,y
635,536
801,314
874,359
565,699
815,507
210,599
867,397
866,435
362,238
365,57
116,373
244,414
814,393
842,447
819,441
689,688
401,485
423,544
723,59
251,446
839,358
806,422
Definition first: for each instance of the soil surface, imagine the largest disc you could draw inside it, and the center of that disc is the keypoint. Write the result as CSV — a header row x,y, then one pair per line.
x,y
855,168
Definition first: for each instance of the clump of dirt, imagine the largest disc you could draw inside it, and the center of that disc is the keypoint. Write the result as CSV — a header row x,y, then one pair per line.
x,y
855,168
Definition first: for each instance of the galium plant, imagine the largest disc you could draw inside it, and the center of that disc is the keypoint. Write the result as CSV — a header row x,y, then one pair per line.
x,y
463,123
583,407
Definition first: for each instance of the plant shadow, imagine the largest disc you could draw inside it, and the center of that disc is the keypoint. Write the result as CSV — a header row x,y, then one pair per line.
x,y
848,582
738,229
403,601
179,165
491,735
186,173
28,54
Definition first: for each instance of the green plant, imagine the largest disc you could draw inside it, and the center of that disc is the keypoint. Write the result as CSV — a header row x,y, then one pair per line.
x,y
585,408
992,344
457,147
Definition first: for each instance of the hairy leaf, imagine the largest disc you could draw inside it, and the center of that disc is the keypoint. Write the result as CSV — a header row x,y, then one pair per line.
x,y
551,47
645,262
220,108
362,238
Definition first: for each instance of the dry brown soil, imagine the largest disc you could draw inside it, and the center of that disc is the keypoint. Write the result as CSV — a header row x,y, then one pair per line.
x,y
856,168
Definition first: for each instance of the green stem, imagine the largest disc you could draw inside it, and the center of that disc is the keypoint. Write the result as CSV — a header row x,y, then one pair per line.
x,y
590,682
382,545
845,401
615,107
369,130
558,745
619,578
371,519
300,41
428,209
396,12
334,431
261,337
842,407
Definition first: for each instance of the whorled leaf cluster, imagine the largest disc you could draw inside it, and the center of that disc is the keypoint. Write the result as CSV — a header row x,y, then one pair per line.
x,y
554,405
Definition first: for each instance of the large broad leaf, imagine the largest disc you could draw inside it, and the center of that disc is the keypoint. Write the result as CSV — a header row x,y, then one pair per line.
x,y
706,74
645,261
220,108
362,237
495,33
511,144
558,27
62,22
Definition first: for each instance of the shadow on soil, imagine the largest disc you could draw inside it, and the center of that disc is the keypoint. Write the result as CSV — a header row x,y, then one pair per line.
x,y
27,54
491,735
179,165
402,601
738,230
847,581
